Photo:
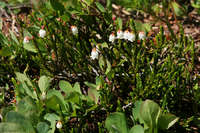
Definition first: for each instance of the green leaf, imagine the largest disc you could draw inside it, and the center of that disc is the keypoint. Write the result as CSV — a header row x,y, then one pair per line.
x,y
100,7
26,84
77,88
136,111
5,51
42,127
119,22
16,117
89,2
165,121
30,47
101,62
116,123
14,38
58,99
56,5
52,118
28,107
150,112
9,127
93,94
91,85
108,69
92,91
177,9
65,86
44,83
137,129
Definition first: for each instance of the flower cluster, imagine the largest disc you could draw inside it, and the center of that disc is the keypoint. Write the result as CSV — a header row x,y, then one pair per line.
x,y
126,35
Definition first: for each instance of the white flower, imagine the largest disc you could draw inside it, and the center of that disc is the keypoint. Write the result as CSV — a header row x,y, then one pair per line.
x,y
120,34
74,30
94,53
112,37
126,35
59,124
142,36
42,33
26,39
131,37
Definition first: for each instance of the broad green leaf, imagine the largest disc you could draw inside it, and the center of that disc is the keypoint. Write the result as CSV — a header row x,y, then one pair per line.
x,y
58,98
165,121
93,94
44,83
92,91
150,112
28,107
74,97
136,111
16,117
26,84
100,7
5,51
30,47
91,85
137,129
9,127
52,118
116,123
65,86
42,127
77,88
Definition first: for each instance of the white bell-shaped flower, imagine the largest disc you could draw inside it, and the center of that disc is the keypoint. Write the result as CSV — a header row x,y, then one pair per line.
x,y
142,35
42,33
120,34
112,37
94,53
59,124
74,30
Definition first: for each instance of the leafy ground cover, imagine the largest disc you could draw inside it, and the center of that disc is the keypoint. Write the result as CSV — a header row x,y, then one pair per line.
x,y
99,66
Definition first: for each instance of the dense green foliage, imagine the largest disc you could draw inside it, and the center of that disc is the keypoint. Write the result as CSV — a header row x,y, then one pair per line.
x,y
64,68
